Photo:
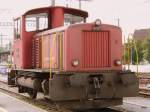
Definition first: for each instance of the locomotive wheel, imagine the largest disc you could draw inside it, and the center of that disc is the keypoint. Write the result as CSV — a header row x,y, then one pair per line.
x,y
32,93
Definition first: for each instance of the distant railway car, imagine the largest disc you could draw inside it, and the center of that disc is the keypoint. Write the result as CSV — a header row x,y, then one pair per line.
x,y
72,62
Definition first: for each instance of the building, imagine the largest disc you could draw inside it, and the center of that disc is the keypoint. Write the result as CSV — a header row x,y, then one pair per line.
x,y
141,34
4,57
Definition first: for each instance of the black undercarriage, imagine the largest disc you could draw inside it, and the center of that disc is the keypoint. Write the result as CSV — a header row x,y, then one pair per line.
x,y
76,90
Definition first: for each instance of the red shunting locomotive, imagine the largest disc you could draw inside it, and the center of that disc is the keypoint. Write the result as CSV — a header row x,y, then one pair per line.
x,y
70,61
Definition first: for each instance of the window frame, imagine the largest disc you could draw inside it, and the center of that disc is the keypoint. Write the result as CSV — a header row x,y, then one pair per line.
x,y
84,19
17,28
37,21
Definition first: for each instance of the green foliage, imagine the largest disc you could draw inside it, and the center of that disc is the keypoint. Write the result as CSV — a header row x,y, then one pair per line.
x,y
1,49
130,51
126,53
146,51
140,53
143,50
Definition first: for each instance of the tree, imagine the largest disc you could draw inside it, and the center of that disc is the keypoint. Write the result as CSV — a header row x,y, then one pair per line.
x,y
146,45
140,53
130,48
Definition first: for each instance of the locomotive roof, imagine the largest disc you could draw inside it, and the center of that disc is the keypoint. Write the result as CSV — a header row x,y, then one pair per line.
x,y
66,9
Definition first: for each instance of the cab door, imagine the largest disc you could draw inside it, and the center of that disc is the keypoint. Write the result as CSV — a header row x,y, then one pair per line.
x,y
17,48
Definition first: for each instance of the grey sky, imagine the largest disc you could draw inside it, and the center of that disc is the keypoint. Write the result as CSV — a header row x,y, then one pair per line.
x,y
133,14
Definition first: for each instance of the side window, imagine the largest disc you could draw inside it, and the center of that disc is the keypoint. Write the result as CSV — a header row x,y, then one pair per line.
x,y
17,29
72,19
43,23
31,24
35,22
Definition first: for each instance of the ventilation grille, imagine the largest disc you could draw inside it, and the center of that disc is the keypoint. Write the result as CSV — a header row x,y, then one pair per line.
x,y
36,53
95,49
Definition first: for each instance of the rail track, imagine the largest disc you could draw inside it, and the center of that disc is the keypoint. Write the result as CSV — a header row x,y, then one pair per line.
x,y
45,104
50,106
144,91
144,78
144,84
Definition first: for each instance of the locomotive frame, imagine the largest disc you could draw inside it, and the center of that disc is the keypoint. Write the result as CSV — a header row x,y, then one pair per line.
x,y
78,65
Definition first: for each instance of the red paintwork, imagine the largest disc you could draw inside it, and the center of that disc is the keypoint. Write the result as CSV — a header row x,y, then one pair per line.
x,y
74,48
22,53
57,18
36,53
47,44
22,48
95,51
17,54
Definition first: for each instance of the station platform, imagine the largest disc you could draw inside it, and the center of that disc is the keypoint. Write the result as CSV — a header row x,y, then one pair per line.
x,y
10,104
3,78
141,101
135,104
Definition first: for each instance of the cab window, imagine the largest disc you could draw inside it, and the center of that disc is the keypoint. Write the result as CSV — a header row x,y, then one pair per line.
x,y
72,19
36,22
17,28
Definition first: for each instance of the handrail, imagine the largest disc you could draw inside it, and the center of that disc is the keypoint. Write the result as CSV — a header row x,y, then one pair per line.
x,y
60,50
136,51
51,54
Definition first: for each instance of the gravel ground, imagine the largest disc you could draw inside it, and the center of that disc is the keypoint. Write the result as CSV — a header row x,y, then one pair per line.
x,y
135,104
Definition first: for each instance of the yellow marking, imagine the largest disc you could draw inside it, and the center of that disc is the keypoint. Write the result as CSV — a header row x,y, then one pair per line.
x,y
51,53
137,58
128,54
42,49
124,57
136,51
60,44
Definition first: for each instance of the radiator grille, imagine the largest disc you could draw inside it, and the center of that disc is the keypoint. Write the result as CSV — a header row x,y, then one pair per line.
x,y
36,52
95,49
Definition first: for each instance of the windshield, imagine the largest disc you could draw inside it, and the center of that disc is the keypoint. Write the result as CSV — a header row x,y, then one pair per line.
x,y
72,19
36,22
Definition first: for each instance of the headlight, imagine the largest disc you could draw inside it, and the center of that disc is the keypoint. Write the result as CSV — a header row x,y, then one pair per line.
x,y
98,22
118,62
75,63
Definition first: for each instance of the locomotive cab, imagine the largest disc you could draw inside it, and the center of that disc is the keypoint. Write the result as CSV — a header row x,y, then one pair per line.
x,y
75,63
38,20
